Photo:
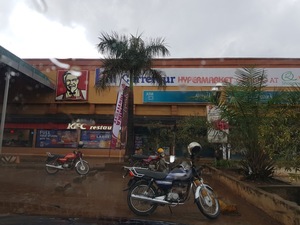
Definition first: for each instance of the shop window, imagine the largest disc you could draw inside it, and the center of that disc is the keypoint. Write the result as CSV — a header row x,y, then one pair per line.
x,y
141,142
56,138
17,137
96,139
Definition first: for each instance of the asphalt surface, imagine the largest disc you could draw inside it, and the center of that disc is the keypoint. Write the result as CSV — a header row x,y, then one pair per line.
x,y
26,189
47,220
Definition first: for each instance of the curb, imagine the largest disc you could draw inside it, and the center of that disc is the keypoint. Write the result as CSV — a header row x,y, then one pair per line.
x,y
285,212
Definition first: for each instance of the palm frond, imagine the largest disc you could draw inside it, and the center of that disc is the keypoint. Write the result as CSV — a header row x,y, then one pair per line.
x,y
157,47
114,45
130,55
293,95
251,77
157,77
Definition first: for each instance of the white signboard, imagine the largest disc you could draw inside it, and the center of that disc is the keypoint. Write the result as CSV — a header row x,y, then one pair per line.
x,y
181,77
220,128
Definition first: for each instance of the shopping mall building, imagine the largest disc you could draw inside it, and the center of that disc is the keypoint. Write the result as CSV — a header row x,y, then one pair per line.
x,y
42,115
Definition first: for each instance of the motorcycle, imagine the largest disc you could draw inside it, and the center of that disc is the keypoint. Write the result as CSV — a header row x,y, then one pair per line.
x,y
56,162
145,161
148,161
155,162
149,189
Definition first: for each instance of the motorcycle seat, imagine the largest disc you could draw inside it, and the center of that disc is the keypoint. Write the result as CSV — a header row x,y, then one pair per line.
x,y
150,173
55,155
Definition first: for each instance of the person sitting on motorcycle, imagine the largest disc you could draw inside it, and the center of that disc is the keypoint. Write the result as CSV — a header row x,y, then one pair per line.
x,y
160,152
138,151
162,164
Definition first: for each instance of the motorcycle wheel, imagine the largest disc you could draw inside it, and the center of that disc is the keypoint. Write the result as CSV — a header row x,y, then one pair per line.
x,y
138,206
208,203
51,170
82,168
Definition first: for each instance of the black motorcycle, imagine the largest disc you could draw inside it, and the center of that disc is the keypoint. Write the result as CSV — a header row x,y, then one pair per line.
x,y
149,189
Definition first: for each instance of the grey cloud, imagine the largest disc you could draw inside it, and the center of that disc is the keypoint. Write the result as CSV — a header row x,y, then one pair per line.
x,y
192,28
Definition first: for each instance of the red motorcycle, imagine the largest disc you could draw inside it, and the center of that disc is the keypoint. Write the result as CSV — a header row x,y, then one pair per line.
x,y
153,162
146,161
56,162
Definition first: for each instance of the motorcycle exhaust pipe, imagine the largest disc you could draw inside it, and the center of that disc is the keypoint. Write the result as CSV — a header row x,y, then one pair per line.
x,y
56,167
159,200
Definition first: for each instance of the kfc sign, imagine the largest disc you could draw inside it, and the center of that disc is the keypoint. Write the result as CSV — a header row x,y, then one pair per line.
x,y
84,126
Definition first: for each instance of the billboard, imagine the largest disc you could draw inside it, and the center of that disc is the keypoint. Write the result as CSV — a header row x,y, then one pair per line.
x,y
72,85
182,77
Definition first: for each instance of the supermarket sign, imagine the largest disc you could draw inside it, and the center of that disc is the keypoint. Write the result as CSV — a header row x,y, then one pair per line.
x,y
181,77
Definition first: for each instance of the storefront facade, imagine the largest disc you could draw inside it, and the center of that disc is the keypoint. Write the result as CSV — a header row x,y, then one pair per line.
x,y
56,121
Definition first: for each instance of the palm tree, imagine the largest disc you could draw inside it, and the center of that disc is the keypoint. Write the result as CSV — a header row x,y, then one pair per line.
x,y
129,55
247,111
265,127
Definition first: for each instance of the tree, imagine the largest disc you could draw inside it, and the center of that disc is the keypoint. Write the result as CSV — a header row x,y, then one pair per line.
x,y
281,137
132,56
247,110
192,128
158,135
266,127
187,129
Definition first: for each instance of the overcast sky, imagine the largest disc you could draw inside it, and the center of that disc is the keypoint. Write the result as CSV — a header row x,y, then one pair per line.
x,y
191,28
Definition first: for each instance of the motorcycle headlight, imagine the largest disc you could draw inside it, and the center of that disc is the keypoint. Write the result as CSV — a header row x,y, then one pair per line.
x,y
172,158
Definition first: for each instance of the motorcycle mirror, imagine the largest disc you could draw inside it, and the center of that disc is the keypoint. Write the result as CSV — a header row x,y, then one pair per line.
x,y
172,158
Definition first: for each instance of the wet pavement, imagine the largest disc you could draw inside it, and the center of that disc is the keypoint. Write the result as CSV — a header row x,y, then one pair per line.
x,y
47,220
98,197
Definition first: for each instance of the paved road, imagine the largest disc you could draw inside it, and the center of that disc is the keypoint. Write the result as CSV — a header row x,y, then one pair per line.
x,y
100,195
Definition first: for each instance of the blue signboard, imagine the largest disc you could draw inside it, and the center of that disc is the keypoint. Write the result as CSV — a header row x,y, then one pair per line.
x,y
176,96
96,139
190,96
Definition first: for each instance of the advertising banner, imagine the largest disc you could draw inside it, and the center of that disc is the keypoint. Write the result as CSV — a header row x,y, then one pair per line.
x,y
95,139
118,115
56,138
125,118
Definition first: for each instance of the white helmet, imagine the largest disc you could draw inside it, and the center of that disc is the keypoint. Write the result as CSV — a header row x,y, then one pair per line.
x,y
194,148
80,144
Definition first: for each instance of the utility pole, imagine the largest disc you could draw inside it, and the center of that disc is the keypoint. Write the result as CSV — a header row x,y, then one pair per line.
x,y
8,75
